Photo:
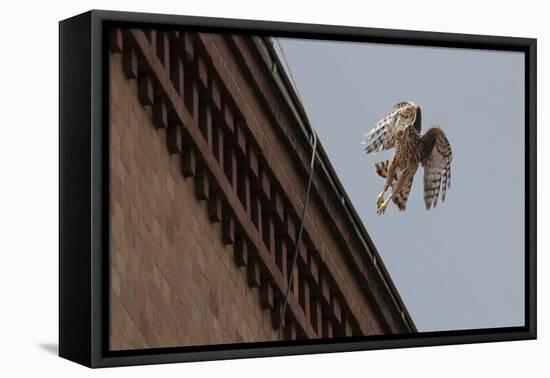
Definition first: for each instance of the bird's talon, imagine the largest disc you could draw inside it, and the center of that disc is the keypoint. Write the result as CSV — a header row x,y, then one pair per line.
x,y
380,200
382,208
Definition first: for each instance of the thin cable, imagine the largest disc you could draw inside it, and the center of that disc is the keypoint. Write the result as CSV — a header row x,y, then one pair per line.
x,y
299,238
308,190
288,68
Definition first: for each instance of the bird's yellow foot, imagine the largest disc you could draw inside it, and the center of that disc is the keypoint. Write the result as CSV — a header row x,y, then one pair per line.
x,y
382,207
379,199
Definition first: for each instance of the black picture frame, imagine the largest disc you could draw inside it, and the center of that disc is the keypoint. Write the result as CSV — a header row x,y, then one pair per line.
x,y
83,237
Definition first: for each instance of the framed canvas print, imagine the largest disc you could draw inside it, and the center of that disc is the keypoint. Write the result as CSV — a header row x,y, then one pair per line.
x,y
234,188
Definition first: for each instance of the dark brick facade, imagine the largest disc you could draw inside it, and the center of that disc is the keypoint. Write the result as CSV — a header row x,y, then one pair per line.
x,y
209,157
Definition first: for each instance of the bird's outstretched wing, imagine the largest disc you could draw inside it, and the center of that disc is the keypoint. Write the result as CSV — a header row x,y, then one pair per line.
x,y
436,158
384,134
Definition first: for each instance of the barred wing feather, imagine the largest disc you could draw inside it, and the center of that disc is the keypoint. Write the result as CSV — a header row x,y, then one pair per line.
x,y
437,158
383,135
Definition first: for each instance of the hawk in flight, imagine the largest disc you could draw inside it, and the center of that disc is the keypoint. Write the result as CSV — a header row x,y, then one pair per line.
x,y
401,129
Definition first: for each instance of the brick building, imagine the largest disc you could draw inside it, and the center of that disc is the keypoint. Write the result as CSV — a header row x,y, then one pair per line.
x,y
209,159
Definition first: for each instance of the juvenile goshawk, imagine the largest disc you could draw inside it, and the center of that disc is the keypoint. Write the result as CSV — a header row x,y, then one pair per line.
x,y
401,129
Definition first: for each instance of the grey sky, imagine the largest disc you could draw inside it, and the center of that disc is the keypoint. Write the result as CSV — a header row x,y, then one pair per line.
x,y
460,266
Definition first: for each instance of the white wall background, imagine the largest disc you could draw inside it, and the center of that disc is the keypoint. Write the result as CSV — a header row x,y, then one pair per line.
x,y
29,190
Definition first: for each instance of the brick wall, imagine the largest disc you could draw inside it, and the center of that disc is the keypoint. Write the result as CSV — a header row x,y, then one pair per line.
x,y
172,280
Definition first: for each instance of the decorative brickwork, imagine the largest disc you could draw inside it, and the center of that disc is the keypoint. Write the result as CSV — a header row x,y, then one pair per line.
x,y
208,167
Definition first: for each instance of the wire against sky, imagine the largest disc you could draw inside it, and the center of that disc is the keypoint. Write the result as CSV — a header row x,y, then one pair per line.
x,y
308,190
